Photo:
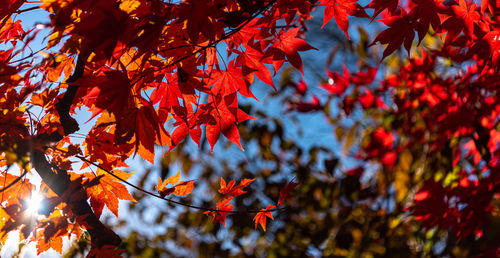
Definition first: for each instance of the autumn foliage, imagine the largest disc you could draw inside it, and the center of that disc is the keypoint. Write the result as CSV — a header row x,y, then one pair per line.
x,y
159,73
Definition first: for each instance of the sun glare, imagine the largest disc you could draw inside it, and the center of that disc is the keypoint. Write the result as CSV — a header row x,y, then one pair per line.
x,y
34,202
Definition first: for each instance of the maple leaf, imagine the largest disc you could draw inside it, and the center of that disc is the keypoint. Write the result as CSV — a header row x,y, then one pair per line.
x,y
262,216
55,243
400,31
251,62
222,207
9,6
247,34
427,13
307,106
429,204
181,189
225,125
107,91
464,18
340,10
225,117
231,190
381,5
105,251
53,229
230,81
101,29
202,21
17,191
143,123
337,83
108,191
285,192
489,47
288,45
149,130
57,64
16,216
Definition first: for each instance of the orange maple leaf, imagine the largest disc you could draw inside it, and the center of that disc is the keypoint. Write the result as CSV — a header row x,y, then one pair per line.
x,y
261,216
181,189
108,191
56,243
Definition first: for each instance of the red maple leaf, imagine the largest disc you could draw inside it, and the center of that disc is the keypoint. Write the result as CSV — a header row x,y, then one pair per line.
x,y
261,216
400,32
225,115
426,13
109,90
231,190
230,81
288,45
381,5
340,10
251,62
105,251
464,18
285,192
222,207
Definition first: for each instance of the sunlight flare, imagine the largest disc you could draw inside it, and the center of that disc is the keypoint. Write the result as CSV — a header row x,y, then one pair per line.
x,y
34,202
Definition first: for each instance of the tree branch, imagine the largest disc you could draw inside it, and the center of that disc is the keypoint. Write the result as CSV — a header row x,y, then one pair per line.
x,y
59,183
68,123
57,179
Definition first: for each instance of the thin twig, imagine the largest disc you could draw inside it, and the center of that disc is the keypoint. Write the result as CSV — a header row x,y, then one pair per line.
x,y
27,9
170,200
13,182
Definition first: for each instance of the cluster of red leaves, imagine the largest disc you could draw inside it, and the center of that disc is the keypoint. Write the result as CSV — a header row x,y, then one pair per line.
x,y
436,109
231,190
228,191
465,208
454,114
459,108
440,100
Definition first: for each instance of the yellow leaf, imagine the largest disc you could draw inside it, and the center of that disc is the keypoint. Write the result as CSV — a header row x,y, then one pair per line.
x,y
146,153
405,160
173,179
183,188
351,135
3,218
106,118
54,39
339,132
129,5
402,176
160,186
122,174
130,60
